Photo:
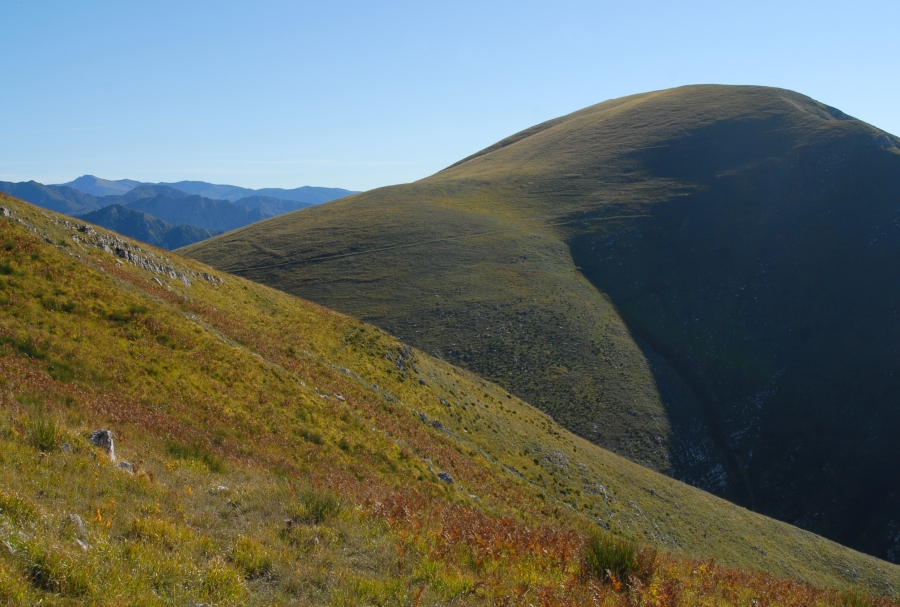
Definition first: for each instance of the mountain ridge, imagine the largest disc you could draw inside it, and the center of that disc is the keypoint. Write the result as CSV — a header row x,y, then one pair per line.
x,y
89,184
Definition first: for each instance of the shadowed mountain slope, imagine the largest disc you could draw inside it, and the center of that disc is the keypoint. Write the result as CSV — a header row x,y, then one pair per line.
x,y
216,215
146,228
701,279
281,452
272,206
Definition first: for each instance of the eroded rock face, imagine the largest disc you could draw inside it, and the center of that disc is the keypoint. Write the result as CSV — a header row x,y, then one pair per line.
x,y
104,440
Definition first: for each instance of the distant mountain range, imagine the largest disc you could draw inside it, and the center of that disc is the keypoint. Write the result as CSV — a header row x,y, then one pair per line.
x,y
311,195
167,215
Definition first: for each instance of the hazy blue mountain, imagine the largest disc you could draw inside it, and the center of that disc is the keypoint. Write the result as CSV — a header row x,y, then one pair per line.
x,y
146,190
183,235
96,186
59,198
221,215
273,206
147,228
308,194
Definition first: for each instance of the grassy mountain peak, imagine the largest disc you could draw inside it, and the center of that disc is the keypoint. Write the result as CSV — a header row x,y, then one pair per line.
x,y
278,451
700,279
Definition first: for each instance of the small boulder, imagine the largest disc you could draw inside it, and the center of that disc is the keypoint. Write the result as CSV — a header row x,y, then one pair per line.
x,y
74,521
4,212
445,477
104,440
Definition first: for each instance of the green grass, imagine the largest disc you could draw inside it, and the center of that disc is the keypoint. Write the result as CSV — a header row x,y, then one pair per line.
x,y
690,294
328,490
197,452
610,558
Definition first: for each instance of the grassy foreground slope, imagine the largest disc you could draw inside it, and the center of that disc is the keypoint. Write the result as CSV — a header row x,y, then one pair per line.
x,y
701,279
284,452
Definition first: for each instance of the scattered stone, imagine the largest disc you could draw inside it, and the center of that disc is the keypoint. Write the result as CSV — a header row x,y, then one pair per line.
x,y
421,381
126,467
424,417
104,440
84,547
437,425
77,525
443,401
66,448
5,212
445,477
388,356
340,398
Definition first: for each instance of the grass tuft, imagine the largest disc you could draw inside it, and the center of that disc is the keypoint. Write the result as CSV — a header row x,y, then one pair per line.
x,y
195,452
315,507
609,558
251,557
16,508
42,430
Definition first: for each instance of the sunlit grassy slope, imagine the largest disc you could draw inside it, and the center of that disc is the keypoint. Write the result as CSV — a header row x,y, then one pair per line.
x,y
701,279
284,452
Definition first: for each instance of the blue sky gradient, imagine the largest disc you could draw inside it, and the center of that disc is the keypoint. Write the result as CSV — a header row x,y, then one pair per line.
x,y
363,94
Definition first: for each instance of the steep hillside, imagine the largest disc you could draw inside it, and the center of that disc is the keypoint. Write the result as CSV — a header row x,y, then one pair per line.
x,y
146,228
701,279
280,452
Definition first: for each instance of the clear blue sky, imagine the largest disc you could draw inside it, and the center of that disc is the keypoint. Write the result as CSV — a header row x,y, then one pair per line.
x,y
364,94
